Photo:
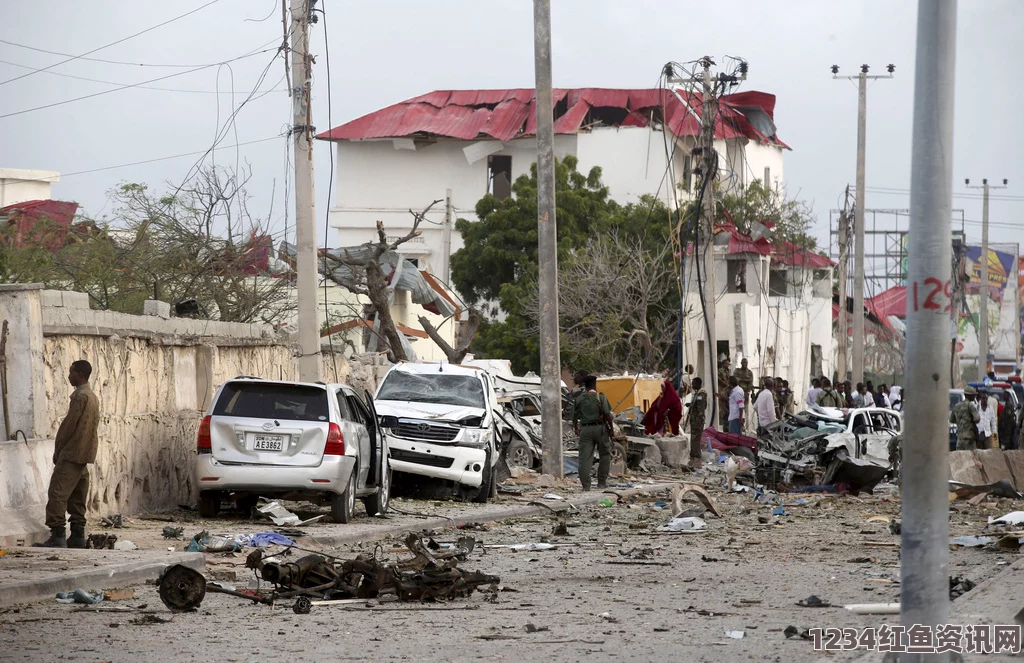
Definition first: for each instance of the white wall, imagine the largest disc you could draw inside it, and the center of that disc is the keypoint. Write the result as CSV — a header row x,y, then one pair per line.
x,y
758,157
632,160
18,186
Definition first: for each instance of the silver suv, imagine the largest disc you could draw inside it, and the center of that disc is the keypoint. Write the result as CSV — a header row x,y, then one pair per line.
x,y
292,440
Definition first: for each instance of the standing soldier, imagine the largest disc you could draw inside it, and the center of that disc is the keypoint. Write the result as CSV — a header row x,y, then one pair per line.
x,y
745,377
591,416
695,419
723,393
966,417
829,397
74,448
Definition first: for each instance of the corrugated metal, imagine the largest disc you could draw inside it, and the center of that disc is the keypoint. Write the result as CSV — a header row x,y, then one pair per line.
x,y
508,114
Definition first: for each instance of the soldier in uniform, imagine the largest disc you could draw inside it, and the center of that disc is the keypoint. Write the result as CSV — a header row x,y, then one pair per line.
x,y
966,417
745,377
829,397
591,417
695,418
723,393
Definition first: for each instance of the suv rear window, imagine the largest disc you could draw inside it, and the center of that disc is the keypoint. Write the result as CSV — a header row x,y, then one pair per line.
x,y
260,400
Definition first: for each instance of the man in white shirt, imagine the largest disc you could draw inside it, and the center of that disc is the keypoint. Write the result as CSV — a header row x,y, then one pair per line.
x,y
765,405
988,425
812,393
737,397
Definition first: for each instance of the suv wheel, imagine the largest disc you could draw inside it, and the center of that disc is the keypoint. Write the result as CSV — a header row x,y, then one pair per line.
x,y
518,454
209,504
488,487
343,506
378,502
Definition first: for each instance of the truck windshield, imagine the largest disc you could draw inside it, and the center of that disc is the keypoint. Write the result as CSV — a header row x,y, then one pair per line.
x,y
464,390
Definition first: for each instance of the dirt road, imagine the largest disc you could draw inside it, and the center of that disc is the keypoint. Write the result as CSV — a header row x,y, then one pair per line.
x,y
615,588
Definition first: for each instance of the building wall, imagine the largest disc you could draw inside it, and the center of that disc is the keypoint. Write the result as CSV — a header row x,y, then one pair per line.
x,y
632,161
155,378
18,186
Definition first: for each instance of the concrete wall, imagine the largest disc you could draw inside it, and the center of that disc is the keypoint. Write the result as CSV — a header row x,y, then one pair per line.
x,y
17,185
155,379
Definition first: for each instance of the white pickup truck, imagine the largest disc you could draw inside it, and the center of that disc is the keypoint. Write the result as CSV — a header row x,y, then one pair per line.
x,y
864,431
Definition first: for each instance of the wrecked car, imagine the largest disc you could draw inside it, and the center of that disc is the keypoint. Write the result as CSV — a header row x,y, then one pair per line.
x,y
440,422
519,428
292,440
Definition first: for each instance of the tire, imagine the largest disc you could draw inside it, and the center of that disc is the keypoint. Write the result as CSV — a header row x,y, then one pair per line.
x,y
618,453
518,454
209,504
378,502
743,452
343,506
488,486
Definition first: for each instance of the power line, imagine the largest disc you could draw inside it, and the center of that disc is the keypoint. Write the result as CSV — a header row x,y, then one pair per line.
x,y
144,87
120,62
132,85
884,190
113,43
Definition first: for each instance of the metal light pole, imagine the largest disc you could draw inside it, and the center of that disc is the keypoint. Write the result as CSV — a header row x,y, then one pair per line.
x,y
858,217
924,592
842,360
547,246
709,111
305,204
983,310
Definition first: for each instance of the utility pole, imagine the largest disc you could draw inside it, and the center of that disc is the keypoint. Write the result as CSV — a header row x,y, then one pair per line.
x,y
924,592
844,317
446,236
858,220
305,203
710,157
547,246
983,310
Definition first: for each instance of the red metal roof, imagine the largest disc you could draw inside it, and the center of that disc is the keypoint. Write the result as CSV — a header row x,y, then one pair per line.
x,y
892,302
39,222
507,114
787,253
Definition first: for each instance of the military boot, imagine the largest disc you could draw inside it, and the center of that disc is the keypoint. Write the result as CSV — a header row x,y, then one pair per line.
x,y
58,539
77,539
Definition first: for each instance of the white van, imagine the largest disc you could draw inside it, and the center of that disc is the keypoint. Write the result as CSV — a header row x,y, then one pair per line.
x,y
441,424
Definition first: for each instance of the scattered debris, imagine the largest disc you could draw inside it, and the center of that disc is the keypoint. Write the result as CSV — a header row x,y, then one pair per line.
x,y
998,489
530,547
959,586
282,516
176,533
125,544
895,527
971,541
813,601
532,628
80,596
1014,519
552,496
874,608
607,616
794,632
149,619
687,488
204,542
431,574
779,511
691,524
101,541
735,635
264,540
116,521
124,594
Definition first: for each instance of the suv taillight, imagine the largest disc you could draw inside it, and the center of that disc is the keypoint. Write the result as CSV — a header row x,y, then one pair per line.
x,y
335,441
203,443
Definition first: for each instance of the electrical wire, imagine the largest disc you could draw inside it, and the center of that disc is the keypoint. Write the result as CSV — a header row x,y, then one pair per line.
x,y
330,184
113,43
132,85
121,62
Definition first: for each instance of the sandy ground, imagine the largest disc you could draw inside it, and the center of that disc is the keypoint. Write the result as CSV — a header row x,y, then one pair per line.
x,y
590,597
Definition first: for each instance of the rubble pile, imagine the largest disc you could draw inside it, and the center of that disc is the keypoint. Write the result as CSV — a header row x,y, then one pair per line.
x,y
432,574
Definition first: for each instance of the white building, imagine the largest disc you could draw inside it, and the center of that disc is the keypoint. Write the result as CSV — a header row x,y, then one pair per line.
x,y
473,142
773,306
18,185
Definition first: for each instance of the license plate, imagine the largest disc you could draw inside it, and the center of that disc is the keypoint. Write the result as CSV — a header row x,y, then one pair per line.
x,y
268,443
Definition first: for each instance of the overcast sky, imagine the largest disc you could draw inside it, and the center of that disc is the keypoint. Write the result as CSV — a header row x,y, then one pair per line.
x,y
384,51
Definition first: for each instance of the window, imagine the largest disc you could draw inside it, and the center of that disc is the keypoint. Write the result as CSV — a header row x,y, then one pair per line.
x,y
343,408
261,400
465,390
861,424
737,275
687,173
499,176
358,414
778,283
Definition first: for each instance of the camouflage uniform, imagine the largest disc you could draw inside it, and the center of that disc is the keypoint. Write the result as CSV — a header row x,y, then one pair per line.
x,y
965,415
698,408
830,398
723,396
745,377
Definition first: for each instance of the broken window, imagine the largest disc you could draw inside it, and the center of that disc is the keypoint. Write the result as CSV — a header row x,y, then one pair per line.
x,y
464,390
778,284
737,275
499,176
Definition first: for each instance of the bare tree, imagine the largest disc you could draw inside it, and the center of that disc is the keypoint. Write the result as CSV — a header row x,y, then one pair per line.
x,y
457,354
613,305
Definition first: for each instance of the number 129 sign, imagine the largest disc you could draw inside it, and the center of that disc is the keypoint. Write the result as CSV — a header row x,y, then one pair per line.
x,y
932,295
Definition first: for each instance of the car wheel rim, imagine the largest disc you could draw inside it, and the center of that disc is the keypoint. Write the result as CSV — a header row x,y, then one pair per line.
x,y
351,497
385,497
521,457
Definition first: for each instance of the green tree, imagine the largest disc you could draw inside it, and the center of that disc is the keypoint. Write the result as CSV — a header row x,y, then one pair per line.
x,y
792,219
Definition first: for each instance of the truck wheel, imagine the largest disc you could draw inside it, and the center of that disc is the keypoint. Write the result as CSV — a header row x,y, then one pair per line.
x,y
488,486
209,504
618,453
344,505
518,454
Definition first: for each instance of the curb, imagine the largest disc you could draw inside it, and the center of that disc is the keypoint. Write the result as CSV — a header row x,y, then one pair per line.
x,y
486,515
99,577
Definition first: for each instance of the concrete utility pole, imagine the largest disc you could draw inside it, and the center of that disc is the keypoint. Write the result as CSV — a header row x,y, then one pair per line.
x,y
709,111
983,311
844,317
446,235
547,246
924,592
858,221
305,203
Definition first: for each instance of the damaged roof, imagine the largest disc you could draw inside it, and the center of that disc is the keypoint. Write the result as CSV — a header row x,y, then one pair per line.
x,y
507,114
785,253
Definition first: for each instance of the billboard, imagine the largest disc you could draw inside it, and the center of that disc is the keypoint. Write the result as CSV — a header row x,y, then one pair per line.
x,y
1000,267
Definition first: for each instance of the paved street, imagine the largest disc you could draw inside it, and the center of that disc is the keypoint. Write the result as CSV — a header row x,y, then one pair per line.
x,y
614,588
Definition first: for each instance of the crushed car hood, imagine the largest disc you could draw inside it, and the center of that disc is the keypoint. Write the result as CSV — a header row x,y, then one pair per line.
x,y
429,411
